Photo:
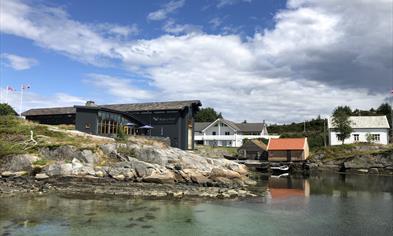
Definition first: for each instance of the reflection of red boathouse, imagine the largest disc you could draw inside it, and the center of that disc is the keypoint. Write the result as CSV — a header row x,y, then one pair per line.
x,y
288,187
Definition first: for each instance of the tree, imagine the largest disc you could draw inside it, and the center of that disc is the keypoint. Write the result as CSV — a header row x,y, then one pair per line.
x,y
7,110
385,109
207,114
342,123
343,109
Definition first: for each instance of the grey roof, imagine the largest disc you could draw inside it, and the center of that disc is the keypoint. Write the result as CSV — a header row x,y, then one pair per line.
x,y
199,126
250,127
362,122
49,111
243,127
152,106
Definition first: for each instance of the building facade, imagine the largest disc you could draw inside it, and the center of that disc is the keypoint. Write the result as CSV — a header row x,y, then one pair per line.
x,y
174,119
365,129
225,133
253,149
288,149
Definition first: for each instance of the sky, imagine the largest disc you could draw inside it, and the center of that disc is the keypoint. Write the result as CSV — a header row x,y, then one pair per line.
x,y
274,60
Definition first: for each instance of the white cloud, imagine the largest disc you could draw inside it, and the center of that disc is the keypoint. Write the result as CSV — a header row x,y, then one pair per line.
x,y
320,54
171,27
223,3
34,100
123,89
215,22
168,8
17,62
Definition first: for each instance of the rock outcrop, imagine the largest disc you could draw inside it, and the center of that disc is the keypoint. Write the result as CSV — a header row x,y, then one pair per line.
x,y
136,162
374,160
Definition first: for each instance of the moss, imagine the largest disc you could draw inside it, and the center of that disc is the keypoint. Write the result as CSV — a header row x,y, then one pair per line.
x,y
41,162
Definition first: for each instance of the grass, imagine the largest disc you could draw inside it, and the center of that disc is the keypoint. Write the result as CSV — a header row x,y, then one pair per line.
x,y
15,136
350,150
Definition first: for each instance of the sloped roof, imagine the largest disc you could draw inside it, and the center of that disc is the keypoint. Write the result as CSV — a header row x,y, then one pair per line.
x,y
362,122
256,142
250,127
199,126
243,127
50,111
152,106
280,144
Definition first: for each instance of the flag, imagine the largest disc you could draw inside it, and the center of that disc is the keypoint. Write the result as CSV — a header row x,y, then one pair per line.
x,y
9,88
25,86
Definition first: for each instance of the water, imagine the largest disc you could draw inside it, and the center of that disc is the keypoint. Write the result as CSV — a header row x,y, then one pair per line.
x,y
323,205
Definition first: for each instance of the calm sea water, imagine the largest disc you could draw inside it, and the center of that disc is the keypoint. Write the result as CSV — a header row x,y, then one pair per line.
x,y
323,205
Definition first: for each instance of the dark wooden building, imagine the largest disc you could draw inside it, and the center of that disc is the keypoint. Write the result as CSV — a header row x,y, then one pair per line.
x,y
253,149
173,119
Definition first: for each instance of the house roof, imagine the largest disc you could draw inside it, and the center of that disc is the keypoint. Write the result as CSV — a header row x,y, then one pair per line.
x,y
363,122
199,126
280,144
243,127
152,106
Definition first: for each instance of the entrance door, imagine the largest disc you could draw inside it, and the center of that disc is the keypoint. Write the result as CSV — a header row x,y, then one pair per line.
x,y
190,134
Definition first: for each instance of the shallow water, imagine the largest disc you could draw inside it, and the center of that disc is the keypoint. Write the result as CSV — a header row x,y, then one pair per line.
x,y
323,205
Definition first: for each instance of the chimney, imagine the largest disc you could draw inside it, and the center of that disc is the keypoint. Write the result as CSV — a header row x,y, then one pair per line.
x,y
90,104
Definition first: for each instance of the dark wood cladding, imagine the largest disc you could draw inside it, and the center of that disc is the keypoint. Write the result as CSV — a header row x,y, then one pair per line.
x,y
56,119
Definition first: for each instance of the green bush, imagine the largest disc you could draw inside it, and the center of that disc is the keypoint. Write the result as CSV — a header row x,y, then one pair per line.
x,y
7,110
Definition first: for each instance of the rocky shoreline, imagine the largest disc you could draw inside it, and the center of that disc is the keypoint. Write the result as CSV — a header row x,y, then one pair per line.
x,y
147,170
110,187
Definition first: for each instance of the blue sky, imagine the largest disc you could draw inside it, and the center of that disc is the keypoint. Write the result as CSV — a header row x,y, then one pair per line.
x,y
249,59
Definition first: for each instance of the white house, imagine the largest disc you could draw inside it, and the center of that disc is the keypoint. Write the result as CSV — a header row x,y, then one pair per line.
x,y
226,133
375,127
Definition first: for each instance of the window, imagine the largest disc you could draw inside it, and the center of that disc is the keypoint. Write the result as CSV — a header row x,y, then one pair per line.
x,y
339,138
356,137
227,133
376,137
108,127
214,133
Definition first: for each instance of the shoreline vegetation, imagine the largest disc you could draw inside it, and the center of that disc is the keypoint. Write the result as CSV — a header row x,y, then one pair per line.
x,y
128,165
59,159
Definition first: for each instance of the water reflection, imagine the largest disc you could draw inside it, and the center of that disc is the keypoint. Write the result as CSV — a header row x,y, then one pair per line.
x,y
292,205
286,187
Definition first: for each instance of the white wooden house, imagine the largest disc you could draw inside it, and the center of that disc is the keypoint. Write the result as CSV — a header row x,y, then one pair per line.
x,y
226,133
375,127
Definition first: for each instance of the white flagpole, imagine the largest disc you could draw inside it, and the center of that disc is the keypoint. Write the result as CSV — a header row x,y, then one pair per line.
x,y
21,100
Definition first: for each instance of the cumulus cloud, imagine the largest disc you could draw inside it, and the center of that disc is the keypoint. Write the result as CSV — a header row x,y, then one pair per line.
x,y
123,89
168,8
319,54
17,62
